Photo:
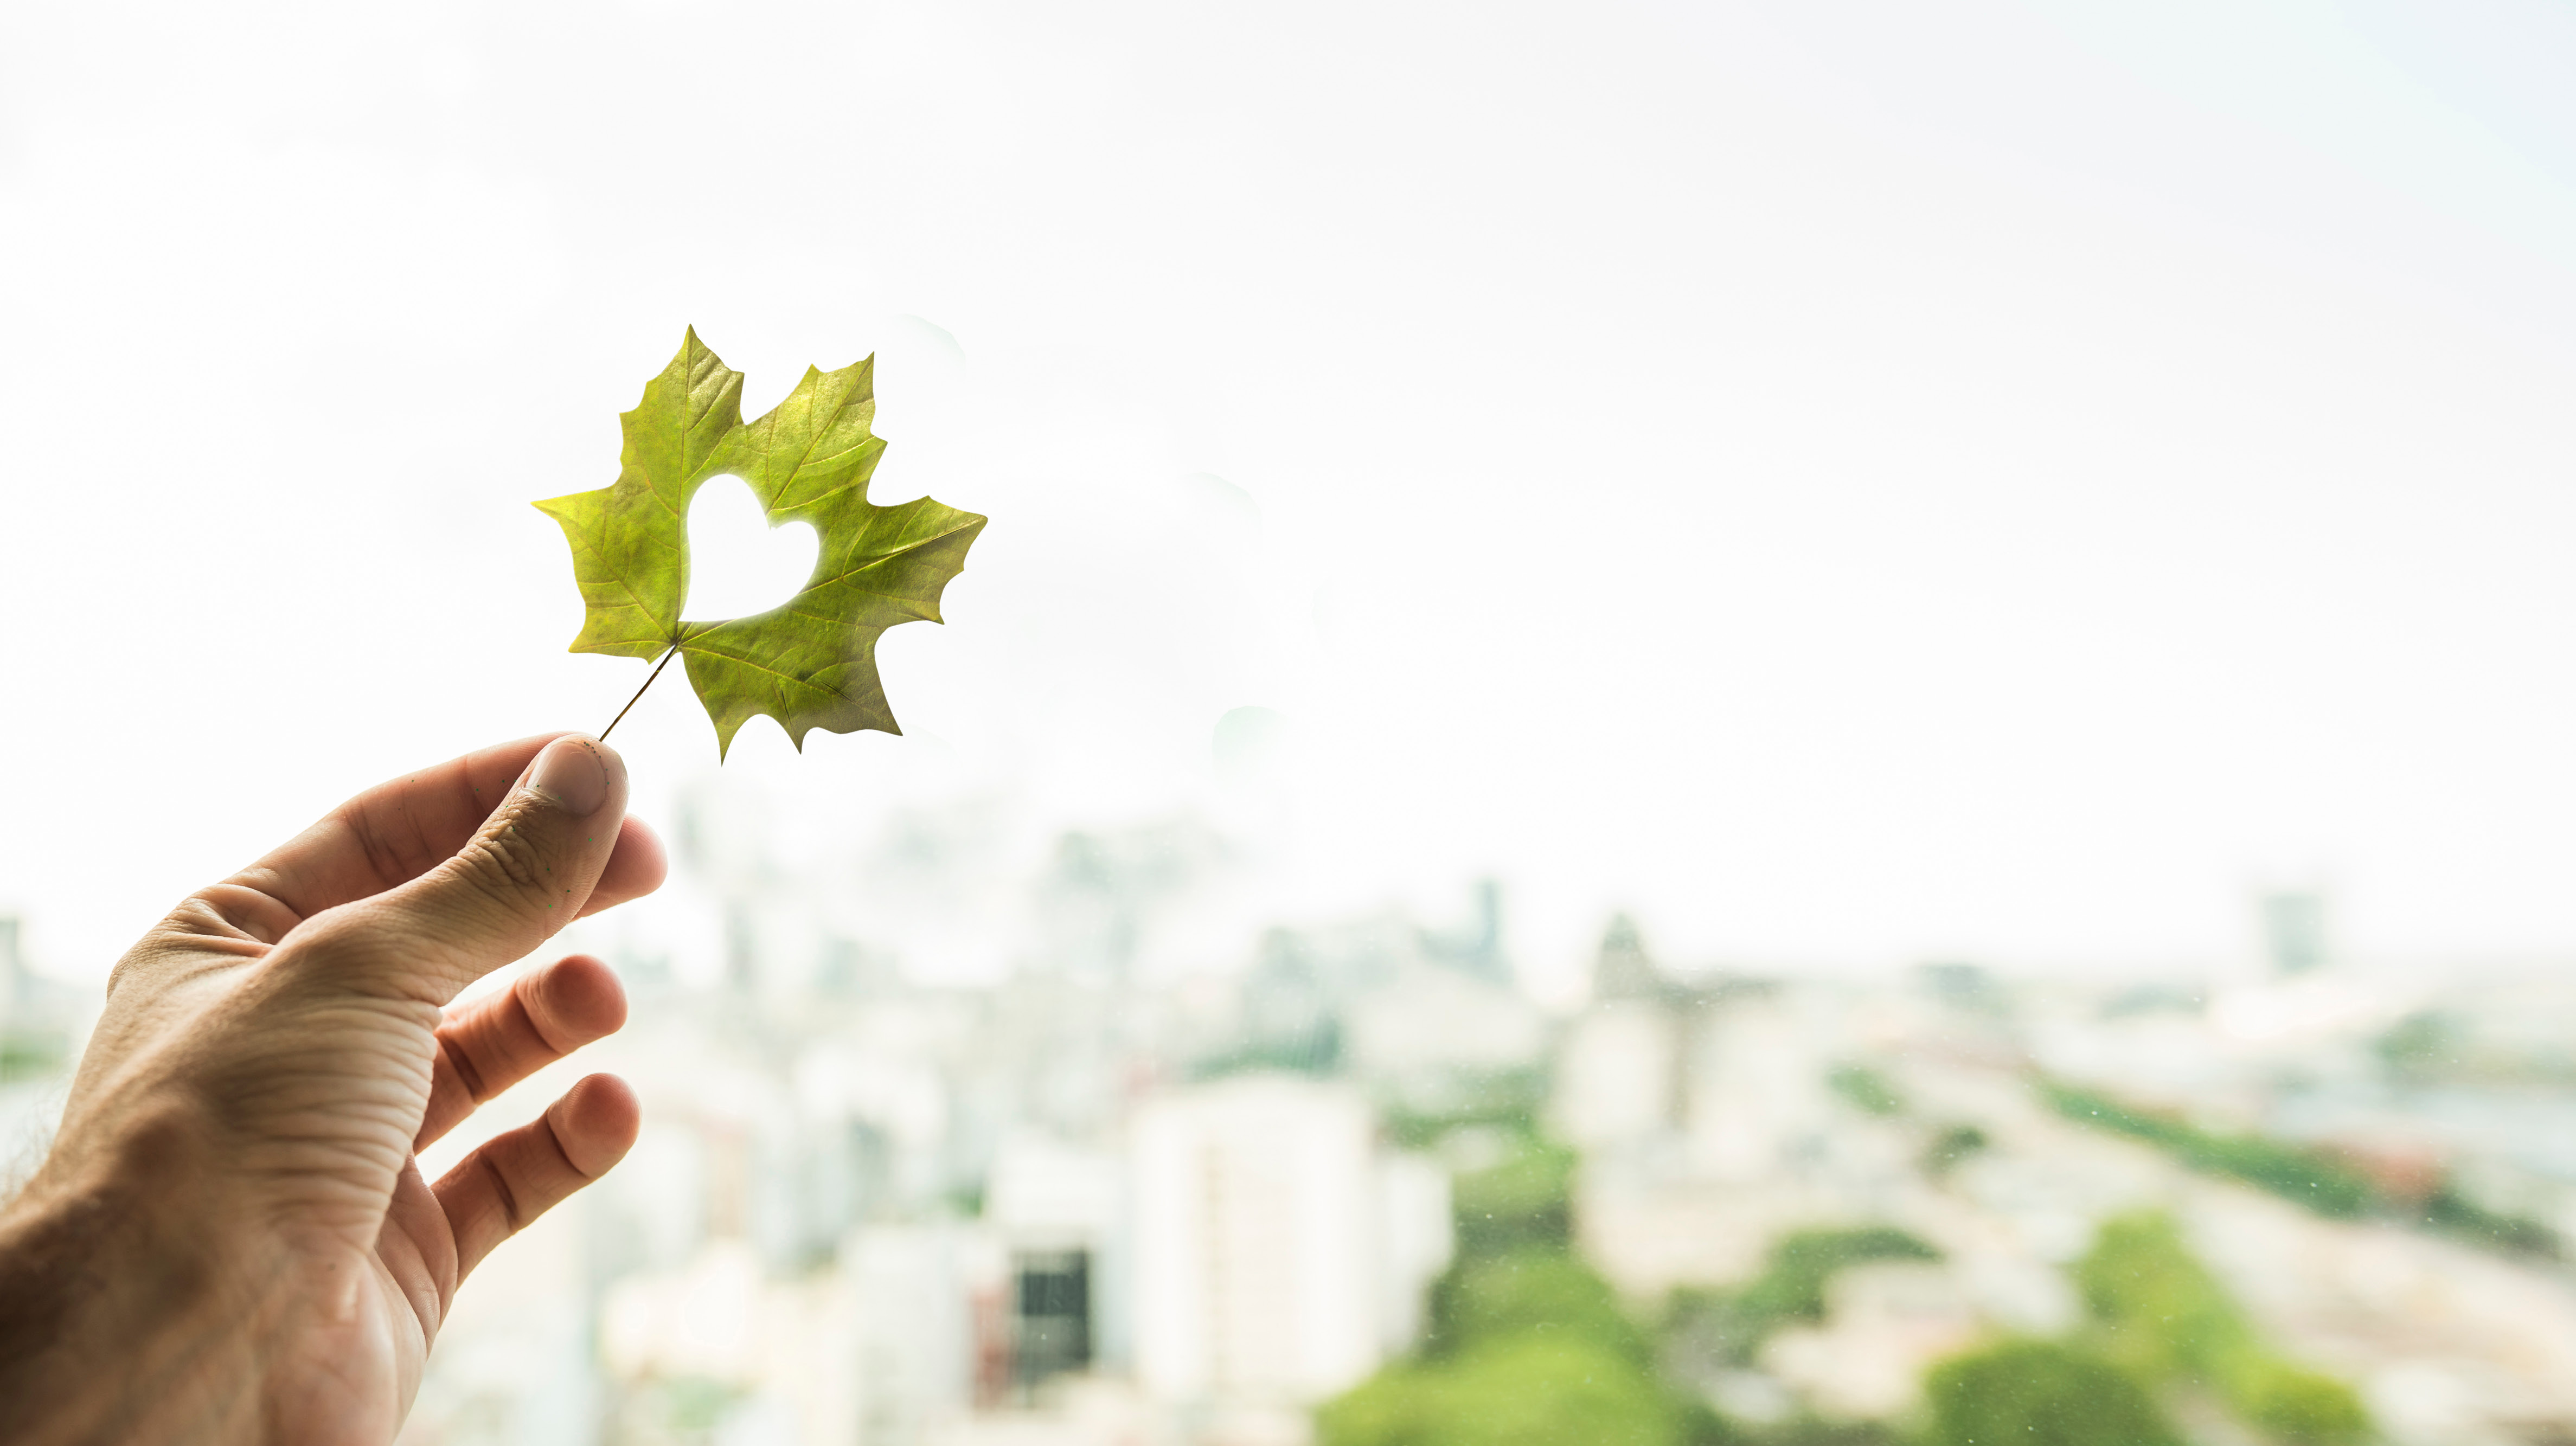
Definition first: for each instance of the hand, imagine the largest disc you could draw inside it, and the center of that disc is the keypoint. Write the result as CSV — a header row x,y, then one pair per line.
x,y
231,1239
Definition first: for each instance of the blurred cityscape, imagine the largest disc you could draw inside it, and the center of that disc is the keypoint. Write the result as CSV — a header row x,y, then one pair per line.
x,y
1361,1190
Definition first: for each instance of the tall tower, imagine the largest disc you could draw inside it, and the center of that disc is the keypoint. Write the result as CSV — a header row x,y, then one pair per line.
x,y
2294,931
1623,969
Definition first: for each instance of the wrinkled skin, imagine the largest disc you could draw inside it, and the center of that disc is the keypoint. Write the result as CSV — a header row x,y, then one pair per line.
x,y
231,1239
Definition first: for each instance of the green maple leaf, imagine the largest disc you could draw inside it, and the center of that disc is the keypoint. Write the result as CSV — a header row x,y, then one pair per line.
x,y
811,661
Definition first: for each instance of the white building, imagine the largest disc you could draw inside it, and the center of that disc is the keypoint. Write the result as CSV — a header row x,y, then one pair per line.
x,y
1617,1077
1279,1253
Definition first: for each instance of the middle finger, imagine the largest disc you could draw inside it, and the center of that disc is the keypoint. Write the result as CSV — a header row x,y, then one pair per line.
x,y
502,1038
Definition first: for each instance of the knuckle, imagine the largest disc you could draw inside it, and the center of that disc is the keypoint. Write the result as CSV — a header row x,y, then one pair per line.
x,y
356,947
460,1062
511,864
352,937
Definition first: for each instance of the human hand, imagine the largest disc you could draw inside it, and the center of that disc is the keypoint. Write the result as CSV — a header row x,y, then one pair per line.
x,y
231,1239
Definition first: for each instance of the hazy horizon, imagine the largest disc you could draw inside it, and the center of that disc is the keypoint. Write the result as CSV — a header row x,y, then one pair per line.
x,y
1841,485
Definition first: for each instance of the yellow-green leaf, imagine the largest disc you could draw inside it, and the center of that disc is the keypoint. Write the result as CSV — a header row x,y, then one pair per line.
x,y
810,662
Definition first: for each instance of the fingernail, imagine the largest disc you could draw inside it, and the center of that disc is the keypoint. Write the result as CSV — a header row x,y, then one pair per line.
x,y
572,773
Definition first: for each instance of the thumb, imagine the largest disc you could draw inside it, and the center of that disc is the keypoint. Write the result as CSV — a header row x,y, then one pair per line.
x,y
523,875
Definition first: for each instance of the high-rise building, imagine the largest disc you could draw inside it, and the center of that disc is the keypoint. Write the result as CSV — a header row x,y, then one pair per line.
x,y
1278,1249
2294,931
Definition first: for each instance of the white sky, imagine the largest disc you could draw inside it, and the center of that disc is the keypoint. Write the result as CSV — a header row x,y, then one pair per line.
x,y
1847,481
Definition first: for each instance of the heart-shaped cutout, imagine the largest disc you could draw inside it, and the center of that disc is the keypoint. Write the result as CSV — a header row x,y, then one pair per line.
x,y
738,563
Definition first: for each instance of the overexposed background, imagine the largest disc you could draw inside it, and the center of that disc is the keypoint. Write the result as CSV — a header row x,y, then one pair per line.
x,y
1846,481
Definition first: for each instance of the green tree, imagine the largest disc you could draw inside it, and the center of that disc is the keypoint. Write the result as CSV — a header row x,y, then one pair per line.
x,y
1528,1346
1523,1200
1952,1148
2040,1393
1524,1389
2292,1172
1792,1284
2160,1313
1729,1327
2298,1406
1865,1089
1531,1291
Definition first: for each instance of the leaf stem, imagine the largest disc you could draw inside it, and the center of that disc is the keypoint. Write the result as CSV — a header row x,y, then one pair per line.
x,y
639,693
